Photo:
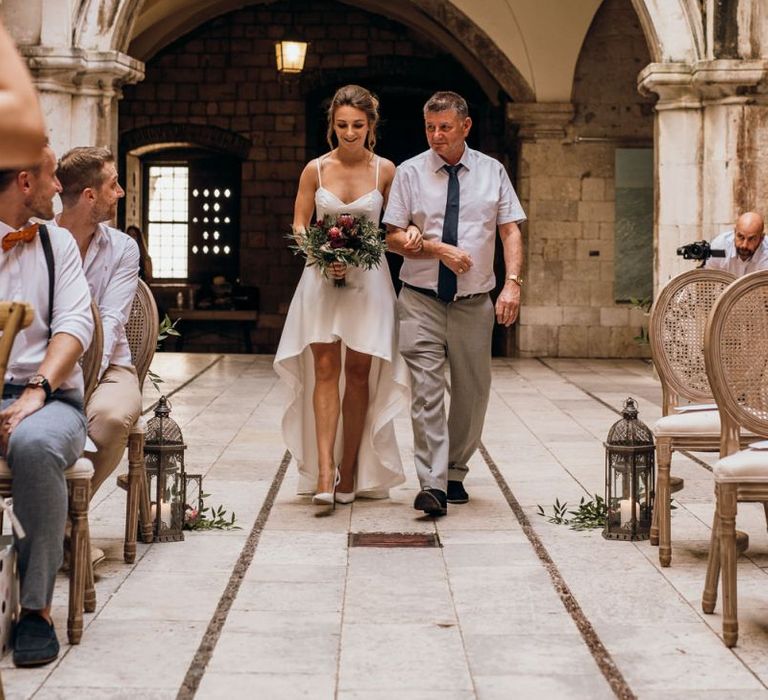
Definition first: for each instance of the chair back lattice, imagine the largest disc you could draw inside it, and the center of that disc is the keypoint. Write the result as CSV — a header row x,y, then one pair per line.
x,y
14,315
676,330
142,329
736,352
91,359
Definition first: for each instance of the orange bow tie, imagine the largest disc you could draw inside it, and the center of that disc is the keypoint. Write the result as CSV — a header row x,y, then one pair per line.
x,y
25,235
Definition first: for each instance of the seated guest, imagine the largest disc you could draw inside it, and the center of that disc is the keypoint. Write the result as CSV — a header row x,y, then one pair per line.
x,y
42,426
746,249
145,261
90,192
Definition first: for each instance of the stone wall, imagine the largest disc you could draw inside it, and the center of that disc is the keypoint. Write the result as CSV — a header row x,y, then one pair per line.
x,y
568,189
223,75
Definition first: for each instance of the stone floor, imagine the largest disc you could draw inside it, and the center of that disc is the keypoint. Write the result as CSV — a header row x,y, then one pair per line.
x,y
510,606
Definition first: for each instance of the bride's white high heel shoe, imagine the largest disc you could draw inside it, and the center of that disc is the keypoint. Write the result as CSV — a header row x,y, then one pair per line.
x,y
345,498
328,498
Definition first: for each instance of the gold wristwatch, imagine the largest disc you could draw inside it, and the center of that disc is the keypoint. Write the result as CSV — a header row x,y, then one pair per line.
x,y
516,279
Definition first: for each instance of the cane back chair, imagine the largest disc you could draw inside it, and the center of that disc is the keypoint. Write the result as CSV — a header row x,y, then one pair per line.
x,y
142,331
82,595
736,353
676,330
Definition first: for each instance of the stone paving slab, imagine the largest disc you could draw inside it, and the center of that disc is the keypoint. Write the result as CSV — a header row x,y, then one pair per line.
x,y
478,617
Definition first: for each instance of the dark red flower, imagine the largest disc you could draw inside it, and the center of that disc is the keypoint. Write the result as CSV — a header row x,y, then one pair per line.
x,y
334,232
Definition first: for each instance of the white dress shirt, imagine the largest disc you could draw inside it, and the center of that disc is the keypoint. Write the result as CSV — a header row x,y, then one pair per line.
x,y
24,277
486,200
111,267
732,262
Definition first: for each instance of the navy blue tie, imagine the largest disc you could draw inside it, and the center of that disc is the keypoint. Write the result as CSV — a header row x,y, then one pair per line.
x,y
446,278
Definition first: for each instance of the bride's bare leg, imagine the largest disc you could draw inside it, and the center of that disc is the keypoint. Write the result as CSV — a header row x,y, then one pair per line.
x,y
325,401
357,367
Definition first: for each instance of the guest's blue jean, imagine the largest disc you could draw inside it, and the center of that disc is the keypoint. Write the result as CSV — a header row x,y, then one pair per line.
x,y
41,447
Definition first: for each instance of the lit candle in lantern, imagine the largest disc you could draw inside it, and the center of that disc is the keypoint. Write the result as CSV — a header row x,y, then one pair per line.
x,y
165,512
626,511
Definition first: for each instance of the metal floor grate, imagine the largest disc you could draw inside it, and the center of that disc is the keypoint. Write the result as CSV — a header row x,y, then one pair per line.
x,y
393,539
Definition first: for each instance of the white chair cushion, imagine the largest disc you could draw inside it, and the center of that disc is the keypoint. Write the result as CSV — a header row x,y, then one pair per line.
x,y
745,465
82,468
700,423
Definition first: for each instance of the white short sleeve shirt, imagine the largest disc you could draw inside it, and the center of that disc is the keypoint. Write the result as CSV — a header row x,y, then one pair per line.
x,y
486,200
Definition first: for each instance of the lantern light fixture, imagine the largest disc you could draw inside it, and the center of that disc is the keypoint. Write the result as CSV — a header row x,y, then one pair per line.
x,y
290,56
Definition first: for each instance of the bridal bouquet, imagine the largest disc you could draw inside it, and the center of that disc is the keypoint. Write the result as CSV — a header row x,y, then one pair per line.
x,y
344,238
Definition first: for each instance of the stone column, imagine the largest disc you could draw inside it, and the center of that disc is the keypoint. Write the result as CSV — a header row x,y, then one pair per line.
x,y
710,129
549,195
79,90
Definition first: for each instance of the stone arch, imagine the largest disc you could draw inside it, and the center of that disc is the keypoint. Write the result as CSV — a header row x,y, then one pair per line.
x,y
144,138
438,20
674,29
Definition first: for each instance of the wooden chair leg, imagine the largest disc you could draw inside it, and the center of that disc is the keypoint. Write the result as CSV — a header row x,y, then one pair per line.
x,y
654,537
709,597
726,507
663,496
145,515
89,594
135,467
79,492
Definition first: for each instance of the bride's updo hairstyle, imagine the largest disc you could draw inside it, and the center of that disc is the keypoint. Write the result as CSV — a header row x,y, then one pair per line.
x,y
359,98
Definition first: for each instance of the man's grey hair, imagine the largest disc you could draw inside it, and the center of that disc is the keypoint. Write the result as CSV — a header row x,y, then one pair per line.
x,y
441,101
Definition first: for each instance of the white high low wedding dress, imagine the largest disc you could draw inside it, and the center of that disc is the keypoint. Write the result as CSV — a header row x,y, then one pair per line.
x,y
362,316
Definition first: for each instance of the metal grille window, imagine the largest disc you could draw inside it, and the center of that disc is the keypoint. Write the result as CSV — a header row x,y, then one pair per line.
x,y
168,219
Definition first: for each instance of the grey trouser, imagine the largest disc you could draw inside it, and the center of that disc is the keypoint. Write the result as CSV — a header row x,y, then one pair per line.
x,y
41,447
432,332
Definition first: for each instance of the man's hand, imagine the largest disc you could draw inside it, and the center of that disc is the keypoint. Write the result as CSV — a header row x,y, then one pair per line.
x,y
31,400
508,304
455,259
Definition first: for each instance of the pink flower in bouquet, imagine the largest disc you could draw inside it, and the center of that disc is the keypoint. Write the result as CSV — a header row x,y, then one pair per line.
x,y
336,237
346,221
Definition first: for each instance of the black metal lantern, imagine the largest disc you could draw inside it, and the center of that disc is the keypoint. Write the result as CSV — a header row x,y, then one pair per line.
x,y
629,477
164,461
193,500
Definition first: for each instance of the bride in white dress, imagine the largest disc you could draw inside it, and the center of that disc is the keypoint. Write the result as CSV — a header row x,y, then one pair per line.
x,y
338,352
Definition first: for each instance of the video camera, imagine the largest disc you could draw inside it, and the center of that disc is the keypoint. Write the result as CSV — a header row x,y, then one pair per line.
x,y
699,250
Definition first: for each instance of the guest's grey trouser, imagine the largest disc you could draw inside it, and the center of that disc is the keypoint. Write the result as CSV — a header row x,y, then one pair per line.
x,y
41,447
431,332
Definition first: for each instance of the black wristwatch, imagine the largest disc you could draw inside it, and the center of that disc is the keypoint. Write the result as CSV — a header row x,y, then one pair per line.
x,y
40,382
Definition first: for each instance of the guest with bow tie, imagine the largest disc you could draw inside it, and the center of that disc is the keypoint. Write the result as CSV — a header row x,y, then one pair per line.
x,y
42,424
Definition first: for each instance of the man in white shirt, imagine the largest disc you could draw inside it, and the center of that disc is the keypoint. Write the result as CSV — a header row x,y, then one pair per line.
x,y
42,426
90,192
457,197
746,249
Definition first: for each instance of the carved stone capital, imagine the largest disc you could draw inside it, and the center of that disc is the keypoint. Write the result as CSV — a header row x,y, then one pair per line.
x,y
540,120
692,85
81,72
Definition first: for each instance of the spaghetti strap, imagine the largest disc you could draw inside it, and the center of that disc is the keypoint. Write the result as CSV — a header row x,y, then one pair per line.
x,y
319,179
378,160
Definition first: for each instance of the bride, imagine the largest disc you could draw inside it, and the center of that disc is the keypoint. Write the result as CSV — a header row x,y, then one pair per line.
x,y
341,341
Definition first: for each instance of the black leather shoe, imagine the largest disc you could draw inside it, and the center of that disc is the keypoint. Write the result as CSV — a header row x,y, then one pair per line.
x,y
431,501
35,642
457,492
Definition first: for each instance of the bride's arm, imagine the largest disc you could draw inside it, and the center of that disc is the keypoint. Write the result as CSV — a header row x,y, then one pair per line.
x,y
304,206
